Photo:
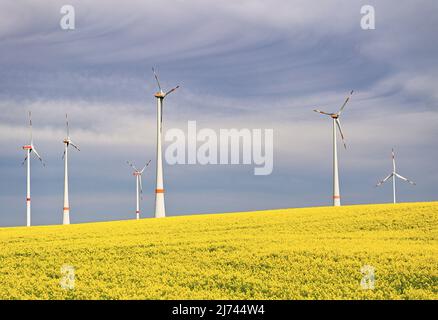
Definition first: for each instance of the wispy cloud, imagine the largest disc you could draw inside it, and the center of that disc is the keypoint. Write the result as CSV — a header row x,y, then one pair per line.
x,y
253,64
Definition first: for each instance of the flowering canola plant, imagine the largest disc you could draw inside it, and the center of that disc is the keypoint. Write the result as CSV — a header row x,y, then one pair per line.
x,y
308,253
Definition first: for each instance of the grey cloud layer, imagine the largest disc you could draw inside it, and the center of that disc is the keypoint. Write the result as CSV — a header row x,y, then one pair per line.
x,y
254,64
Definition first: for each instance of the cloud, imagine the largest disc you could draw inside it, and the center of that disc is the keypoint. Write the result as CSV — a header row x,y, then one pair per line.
x,y
240,64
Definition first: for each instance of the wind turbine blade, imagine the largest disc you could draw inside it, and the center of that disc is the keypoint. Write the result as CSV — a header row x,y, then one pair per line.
x,y
161,118
38,156
323,112
30,126
345,103
145,166
131,165
63,155
24,161
156,78
405,179
170,91
75,146
340,131
384,180
393,161
66,122
141,187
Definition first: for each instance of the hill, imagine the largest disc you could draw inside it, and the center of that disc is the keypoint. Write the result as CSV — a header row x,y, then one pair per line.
x,y
309,253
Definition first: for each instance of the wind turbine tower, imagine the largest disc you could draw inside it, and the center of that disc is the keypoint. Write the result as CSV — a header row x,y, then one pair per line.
x,y
394,175
67,142
336,125
160,210
29,148
138,185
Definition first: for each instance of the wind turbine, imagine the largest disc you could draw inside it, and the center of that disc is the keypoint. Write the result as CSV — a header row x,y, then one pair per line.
x,y
336,125
394,175
139,189
29,148
160,210
67,142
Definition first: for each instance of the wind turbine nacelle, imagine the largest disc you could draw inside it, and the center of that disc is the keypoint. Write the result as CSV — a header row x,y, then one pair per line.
x,y
28,147
159,95
136,173
66,141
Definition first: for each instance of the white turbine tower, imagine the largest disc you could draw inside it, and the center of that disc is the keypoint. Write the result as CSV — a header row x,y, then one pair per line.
x,y
160,210
138,186
394,175
67,142
336,125
29,148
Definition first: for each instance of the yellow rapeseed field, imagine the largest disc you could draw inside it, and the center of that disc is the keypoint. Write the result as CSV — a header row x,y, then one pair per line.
x,y
309,253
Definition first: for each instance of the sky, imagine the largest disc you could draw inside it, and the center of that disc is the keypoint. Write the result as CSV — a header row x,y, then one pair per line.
x,y
240,64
